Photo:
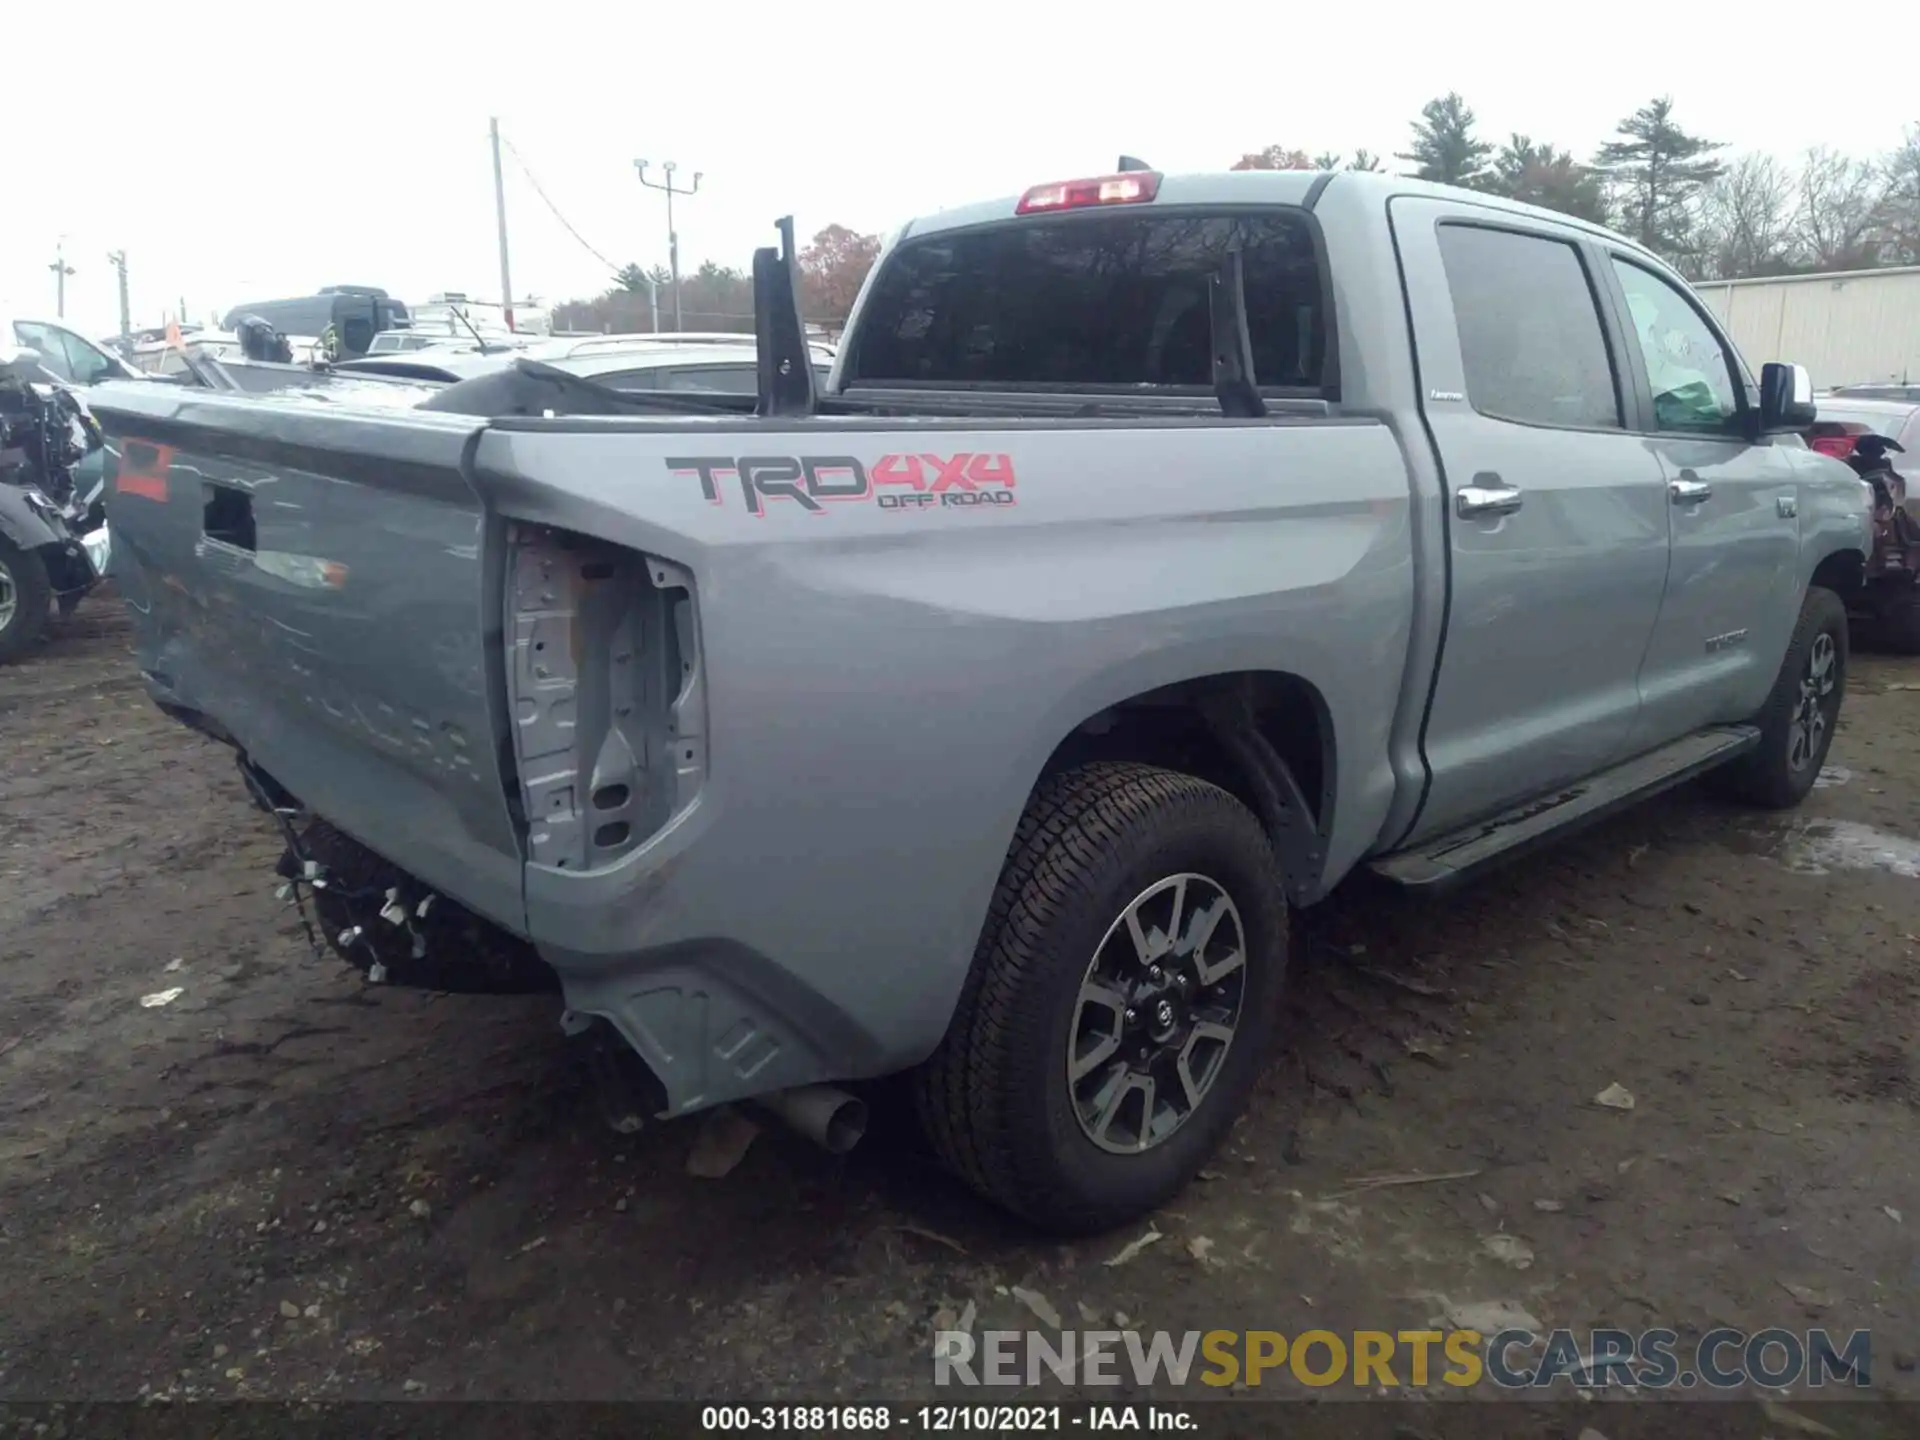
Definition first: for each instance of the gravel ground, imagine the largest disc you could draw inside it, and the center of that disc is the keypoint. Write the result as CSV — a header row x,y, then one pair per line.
x,y
283,1183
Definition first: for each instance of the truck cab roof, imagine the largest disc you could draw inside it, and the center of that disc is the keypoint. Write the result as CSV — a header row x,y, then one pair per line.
x,y
1310,188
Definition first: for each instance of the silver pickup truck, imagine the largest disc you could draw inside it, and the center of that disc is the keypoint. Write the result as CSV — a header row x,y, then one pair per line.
x,y
1160,551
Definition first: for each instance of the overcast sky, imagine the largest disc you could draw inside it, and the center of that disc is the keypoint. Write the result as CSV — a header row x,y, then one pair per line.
x,y
242,152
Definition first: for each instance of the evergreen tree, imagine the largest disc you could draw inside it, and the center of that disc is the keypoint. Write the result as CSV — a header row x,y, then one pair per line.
x,y
1658,171
1444,146
1552,179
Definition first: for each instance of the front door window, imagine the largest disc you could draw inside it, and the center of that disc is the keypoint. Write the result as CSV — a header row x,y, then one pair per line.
x,y
1692,379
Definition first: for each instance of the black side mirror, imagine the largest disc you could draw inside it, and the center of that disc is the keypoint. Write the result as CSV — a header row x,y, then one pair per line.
x,y
1786,399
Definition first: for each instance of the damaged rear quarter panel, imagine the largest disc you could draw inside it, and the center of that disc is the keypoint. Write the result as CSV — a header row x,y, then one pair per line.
x,y
884,685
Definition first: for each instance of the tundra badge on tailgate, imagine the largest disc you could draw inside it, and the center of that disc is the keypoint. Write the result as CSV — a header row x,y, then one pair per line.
x,y
894,482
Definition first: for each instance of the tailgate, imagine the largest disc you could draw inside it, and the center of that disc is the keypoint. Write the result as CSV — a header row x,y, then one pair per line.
x,y
325,588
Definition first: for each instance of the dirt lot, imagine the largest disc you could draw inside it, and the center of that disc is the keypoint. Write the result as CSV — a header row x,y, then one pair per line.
x,y
285,1183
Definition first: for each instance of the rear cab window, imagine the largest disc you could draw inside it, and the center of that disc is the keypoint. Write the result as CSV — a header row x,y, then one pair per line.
x,y
1104,300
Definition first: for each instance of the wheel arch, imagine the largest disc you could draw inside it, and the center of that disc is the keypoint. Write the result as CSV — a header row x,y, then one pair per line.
x,y
1264,736
1843,571
20,523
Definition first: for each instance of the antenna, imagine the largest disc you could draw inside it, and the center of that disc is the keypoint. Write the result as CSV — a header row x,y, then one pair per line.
x,y
1129,163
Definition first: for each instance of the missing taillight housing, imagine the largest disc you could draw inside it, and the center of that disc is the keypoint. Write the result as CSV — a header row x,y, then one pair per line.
x,y
1133,187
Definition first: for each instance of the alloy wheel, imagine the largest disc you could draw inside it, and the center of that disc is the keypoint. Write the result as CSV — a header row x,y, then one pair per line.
x,y
1157,1011
1812,711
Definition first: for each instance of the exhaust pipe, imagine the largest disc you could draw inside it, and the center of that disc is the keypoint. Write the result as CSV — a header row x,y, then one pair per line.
x,y
830,1117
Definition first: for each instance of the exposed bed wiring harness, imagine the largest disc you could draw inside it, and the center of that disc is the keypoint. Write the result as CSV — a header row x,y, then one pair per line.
x,y
391,927
306,877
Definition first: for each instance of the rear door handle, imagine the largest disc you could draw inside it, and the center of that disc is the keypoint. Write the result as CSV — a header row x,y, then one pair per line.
x,y
1689,492
1486,496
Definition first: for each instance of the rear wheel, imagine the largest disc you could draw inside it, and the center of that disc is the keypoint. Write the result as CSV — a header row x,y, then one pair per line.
x,y
1798,720
25,597
1121,1001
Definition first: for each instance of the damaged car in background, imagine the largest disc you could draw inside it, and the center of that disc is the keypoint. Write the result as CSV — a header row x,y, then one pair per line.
x,y
1161,551
53,540
1867,427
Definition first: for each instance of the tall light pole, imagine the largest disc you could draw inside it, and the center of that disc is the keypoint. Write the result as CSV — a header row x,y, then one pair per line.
x,y
118,259
500,212
61,270
673,238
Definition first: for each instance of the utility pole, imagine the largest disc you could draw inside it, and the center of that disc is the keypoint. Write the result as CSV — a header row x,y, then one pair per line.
x,y
673,238
500,210
61,270
118,259
653,300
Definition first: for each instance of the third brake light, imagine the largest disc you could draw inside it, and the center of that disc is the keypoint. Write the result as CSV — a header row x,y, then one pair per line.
x,y
1131,188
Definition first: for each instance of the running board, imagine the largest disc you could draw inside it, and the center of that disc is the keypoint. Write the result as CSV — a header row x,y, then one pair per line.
x,y
1439,863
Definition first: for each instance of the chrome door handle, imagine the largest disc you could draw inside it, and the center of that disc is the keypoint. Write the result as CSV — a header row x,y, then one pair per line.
x,y
1476,500
1689,492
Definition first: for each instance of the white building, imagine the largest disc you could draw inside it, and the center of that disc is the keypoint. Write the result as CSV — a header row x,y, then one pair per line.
x,y
1850,328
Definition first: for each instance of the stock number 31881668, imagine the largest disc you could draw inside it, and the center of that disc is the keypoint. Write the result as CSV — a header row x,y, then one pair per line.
x,y
843,1419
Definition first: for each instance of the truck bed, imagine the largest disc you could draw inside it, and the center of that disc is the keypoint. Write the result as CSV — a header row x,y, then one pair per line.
x,y
666,695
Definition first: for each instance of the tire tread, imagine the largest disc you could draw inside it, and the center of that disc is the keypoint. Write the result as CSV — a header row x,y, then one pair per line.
x,y
963,1104
1761,778
33,596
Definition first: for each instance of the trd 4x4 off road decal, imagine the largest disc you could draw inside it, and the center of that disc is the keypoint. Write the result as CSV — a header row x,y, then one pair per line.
x,y
895,482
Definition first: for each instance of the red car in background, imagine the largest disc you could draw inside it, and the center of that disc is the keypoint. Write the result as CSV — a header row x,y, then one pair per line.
x,y
1870,427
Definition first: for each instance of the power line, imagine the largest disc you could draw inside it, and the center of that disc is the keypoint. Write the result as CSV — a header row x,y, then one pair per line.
x,y
567,225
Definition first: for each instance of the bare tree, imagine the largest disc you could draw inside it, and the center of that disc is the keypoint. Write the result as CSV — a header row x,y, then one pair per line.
x,y
1899,223
1274,157
1839,205
833,268
1747,220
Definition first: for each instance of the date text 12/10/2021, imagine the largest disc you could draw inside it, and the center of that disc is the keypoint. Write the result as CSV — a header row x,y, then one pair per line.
x,y
943,1419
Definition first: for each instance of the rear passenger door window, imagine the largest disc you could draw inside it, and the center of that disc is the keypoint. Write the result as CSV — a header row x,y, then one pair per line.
x,y
1531,345
89,363
40,339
